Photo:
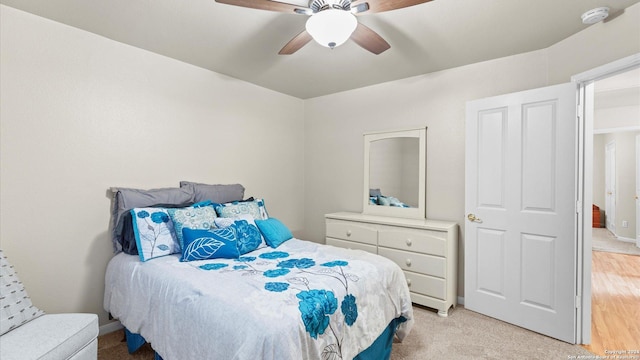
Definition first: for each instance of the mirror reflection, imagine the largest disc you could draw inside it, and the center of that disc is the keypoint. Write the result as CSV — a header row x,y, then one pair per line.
x,y
393,172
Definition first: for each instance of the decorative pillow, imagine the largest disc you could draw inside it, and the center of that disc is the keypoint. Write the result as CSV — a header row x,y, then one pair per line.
x,y
274,231
126,199
216,193
383,200
262,208
128,237
15,305
209,244
248,234
198,218
254,208
154,233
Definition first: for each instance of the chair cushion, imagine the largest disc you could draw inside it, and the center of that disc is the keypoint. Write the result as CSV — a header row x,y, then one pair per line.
x,y
50,337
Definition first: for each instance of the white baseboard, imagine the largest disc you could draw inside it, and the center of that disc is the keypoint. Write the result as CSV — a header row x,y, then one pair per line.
x,y
110,327
460,300
626,239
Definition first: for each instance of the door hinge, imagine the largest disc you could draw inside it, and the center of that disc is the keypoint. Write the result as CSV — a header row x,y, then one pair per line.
x,y
578,302
578,206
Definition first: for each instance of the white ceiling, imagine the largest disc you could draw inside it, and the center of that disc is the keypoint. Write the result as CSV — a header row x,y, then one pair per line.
x,y
244,43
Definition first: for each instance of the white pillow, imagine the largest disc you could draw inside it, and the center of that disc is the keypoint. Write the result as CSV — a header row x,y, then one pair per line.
x,y
15,305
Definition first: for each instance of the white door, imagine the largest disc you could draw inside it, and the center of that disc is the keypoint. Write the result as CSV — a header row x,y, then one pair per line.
x,y
638,190
520,198
610,186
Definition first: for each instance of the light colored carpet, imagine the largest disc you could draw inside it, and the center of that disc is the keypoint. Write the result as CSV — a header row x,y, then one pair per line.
x,y
604,240
463,335
468,335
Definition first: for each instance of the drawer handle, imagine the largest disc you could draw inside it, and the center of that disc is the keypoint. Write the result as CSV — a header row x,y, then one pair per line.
x,y
408,282
408,262
348,232
409,242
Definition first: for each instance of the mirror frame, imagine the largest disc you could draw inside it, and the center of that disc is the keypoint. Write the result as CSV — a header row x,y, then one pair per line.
x,y
412,213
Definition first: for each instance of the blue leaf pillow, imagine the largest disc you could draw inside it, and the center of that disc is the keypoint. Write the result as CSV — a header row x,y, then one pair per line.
x,y
209,244
154,233
193,217
248,234
274,231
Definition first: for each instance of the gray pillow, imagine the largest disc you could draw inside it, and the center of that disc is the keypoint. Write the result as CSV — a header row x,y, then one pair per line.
x,y
216,193
125,199
15,305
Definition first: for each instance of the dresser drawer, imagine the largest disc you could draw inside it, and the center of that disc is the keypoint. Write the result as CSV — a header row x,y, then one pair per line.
x,y
426,285
424,241
351,245
420,263
350,231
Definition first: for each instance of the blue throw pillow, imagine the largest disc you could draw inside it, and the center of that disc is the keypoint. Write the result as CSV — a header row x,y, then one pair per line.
x,y
248,234
274,231
209,244
154,233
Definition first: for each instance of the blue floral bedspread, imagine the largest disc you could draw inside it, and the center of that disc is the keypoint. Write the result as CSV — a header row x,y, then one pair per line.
x,y
300,301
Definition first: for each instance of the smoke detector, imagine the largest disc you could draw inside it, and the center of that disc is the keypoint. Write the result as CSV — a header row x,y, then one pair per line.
x,y
595,15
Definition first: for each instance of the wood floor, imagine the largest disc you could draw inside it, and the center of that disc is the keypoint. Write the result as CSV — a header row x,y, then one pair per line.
x,y
615,304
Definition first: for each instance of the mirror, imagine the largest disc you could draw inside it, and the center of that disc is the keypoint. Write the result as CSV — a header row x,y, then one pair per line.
x,y
394,173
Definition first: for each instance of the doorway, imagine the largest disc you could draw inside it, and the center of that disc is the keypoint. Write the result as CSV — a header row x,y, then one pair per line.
x,y
592,124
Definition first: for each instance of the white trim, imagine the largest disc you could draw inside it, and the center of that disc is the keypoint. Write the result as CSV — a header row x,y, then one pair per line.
x,y
615,130
110,327
637,204
583,218
626,239
461,300
607,70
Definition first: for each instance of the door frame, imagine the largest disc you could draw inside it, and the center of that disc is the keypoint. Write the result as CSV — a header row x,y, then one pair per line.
x,y
638,190
610,180
585,98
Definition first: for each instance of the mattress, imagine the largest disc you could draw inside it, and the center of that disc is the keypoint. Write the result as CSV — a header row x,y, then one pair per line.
x,y
300,301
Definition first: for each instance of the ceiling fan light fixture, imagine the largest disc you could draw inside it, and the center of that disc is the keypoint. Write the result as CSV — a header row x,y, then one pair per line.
x,y
331,27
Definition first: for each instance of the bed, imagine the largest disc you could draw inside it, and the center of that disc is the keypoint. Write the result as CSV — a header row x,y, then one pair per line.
x,y
298,300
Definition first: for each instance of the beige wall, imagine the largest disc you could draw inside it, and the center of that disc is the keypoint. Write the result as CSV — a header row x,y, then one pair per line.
x,y
616,117
81,113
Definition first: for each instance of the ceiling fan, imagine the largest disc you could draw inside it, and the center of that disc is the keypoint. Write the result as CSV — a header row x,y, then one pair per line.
x,y
332,22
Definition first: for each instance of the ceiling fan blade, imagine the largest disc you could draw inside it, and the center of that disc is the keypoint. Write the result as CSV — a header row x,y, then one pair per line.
x,y
359,8
296,43
377,6
269,5
369,40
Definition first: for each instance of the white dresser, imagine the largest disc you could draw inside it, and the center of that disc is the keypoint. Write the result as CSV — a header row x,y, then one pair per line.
x,y
427,251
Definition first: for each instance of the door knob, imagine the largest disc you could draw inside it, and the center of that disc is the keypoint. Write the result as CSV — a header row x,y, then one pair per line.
x,y
473,218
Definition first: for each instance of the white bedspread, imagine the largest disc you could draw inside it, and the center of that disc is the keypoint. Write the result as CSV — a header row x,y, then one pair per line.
x,y
299,301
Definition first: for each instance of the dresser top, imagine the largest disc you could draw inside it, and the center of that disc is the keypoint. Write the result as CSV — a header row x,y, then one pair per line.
x,y
393,221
